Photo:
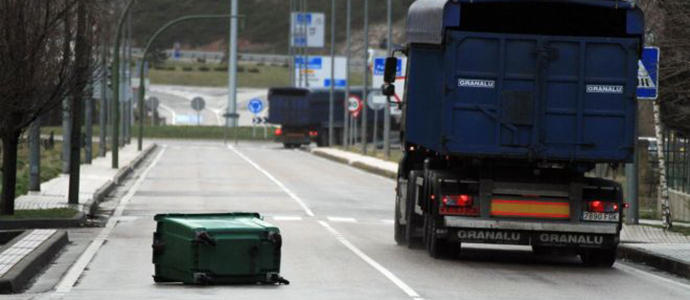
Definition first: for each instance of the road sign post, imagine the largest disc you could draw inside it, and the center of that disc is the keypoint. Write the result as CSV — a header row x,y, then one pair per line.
x,y
198,104
228,117
255,106
152,104
376,102
647,89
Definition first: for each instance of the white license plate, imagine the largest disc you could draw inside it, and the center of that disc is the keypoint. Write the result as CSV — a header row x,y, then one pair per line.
x,y
600,217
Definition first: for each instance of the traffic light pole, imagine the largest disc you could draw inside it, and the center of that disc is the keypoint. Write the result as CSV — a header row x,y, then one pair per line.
x,y
142,81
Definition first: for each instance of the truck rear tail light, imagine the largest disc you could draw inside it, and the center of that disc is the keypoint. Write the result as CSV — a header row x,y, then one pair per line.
x,y
313,133
458,200
599,206
279,131
459,205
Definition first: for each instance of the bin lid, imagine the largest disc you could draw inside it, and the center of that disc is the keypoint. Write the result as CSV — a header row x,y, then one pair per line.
x,y
218,222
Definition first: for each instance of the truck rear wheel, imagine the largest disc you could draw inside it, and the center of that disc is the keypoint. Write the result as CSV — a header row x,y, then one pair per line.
x,y
437,246
603,258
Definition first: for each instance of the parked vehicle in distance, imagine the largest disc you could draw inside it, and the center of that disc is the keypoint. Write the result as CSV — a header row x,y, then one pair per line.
x,y
508,105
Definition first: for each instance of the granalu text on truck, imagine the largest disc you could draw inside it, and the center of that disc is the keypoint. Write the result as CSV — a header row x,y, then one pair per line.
x,y
508,105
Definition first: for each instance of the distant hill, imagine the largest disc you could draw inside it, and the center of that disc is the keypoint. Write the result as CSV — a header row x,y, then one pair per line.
x,y
265,29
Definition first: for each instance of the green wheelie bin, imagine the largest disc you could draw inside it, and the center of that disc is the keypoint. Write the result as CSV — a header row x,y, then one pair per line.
x,y
232,248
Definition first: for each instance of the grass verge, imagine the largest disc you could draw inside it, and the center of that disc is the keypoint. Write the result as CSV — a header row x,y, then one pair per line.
x,y
250,75
55,213
51,165
189,132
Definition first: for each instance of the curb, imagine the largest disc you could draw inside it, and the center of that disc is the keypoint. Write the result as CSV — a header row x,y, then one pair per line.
x,y
120,176
89,207
658,261
21,273
357,164
77,221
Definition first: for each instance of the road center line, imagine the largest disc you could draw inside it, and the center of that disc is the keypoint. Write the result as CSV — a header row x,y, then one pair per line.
x,y
70,278
276,181
339,237
397,281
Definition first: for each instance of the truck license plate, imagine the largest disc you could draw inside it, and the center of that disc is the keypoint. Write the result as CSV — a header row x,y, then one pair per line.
x,y
601,217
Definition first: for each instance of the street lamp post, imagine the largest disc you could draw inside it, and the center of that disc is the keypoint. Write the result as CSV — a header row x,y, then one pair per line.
x,y
366,77
142,82
387,109
331,113
116,86
346,117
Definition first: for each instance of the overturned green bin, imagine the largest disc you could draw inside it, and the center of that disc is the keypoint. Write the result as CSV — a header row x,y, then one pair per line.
x,y
233,248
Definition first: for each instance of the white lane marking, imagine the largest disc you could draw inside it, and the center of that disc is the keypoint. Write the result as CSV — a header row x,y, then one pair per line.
x,y
278,183
287,218
641,273
388,222
341,220
73,274
397,281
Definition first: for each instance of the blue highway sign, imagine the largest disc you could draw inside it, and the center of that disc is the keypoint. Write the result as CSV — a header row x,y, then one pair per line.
x,y
256,106
648,74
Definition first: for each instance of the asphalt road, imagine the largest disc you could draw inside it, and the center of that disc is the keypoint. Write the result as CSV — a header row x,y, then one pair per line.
x,y
337,230
175,104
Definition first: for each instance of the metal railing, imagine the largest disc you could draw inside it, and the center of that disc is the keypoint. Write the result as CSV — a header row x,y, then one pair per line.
x,y
677,161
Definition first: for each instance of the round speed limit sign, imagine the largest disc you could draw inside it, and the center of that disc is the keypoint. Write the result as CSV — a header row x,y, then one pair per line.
x,y
354,105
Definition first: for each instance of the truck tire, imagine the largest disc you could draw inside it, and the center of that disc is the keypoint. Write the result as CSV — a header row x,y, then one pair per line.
x,y
438,247
414,222
602,258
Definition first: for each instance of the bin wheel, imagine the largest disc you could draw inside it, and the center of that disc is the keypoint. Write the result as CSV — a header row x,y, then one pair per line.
x,y
602,258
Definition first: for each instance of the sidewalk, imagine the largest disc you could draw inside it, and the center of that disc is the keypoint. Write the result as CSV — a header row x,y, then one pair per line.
x,y
643,243
96,180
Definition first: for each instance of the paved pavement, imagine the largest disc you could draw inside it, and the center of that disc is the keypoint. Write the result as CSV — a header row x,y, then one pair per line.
x,y
54,192
337,228
176,104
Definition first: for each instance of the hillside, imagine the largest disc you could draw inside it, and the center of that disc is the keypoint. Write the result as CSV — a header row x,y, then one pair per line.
x,y
266,28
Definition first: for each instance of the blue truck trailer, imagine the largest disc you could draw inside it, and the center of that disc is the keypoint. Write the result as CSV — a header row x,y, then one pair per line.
x,y
508,105
303,115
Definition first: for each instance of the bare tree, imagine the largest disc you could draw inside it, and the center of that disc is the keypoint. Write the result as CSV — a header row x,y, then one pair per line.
x,y
667,23
38,69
